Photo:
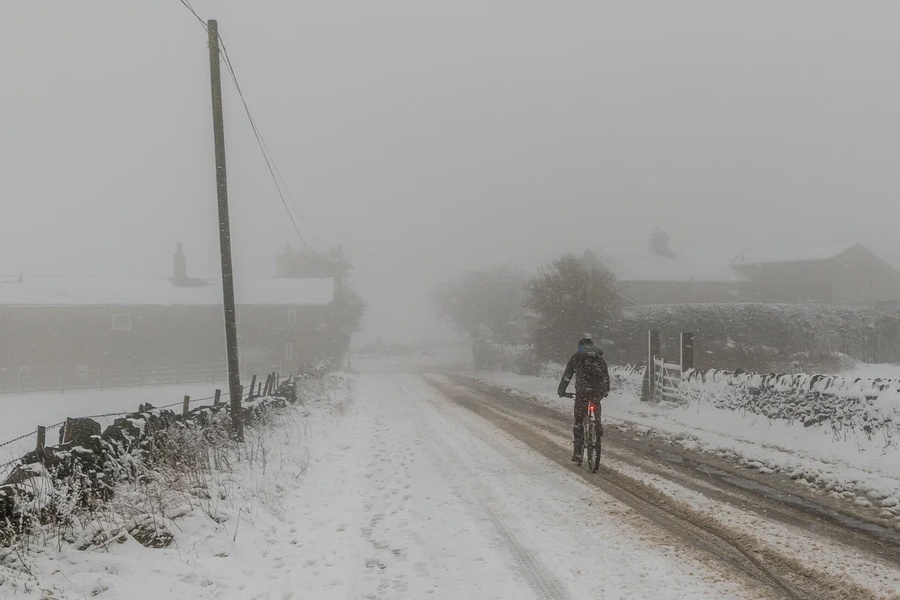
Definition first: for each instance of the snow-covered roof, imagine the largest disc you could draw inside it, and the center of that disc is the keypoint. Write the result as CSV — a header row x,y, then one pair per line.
x,y
775,255
97,291
651,267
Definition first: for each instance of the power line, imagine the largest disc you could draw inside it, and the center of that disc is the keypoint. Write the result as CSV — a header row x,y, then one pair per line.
x,y
187,5
270,163
275,173
280,185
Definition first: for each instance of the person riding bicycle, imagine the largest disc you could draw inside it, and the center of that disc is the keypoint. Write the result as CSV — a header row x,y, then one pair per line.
x,y
591,383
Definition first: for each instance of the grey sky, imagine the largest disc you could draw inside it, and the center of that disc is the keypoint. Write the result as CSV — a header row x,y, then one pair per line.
x,y
458,133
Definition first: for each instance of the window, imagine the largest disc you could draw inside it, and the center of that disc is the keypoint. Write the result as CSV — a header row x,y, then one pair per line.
x,y
289,350
121,322
292,317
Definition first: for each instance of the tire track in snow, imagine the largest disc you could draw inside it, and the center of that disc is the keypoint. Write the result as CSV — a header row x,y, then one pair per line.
x,y
545,585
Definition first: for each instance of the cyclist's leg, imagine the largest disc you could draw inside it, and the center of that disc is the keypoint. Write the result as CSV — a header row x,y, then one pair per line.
x,y
580,411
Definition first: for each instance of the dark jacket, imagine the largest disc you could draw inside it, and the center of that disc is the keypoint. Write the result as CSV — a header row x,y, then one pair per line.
x,y
574,368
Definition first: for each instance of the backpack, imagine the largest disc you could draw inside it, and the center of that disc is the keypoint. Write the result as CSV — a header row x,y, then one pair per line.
x,y
590,372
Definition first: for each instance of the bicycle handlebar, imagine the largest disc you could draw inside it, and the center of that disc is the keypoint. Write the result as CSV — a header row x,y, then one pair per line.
x,y
571,395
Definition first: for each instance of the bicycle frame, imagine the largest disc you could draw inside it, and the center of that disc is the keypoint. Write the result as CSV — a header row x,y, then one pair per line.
x,y
592,432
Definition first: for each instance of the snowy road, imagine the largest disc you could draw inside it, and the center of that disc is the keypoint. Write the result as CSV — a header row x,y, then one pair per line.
x,y
420,498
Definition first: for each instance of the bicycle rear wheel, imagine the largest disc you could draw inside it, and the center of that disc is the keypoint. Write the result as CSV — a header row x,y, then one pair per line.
x,y
593,445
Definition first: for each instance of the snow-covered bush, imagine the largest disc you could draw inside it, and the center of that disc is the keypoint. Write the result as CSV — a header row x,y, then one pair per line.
x,y
551,370
628,378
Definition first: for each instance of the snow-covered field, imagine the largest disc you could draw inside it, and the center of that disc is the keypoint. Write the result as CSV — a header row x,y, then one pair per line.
x,y
844,463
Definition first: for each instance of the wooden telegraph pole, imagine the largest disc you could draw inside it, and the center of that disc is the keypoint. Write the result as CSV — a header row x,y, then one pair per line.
x,y
234,377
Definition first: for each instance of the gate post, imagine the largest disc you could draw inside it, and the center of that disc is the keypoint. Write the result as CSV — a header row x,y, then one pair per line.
x,y
687,351
652,352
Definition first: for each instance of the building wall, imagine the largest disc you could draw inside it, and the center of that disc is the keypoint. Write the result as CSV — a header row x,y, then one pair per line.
x,y
64,338
790,282
860,277
854,277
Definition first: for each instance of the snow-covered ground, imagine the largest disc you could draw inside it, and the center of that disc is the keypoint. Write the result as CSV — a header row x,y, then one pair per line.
x,y
388,492
845,463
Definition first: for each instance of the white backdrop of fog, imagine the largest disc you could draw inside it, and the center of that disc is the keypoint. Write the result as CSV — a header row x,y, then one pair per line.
x,y
455,133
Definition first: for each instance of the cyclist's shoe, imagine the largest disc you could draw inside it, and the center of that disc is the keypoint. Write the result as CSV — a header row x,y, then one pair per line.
x,y
577,455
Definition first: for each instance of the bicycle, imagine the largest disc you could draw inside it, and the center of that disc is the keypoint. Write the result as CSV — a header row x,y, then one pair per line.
x,y
593,433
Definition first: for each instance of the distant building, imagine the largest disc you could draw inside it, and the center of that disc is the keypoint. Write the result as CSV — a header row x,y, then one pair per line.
x,y
64,330
846,275
655,279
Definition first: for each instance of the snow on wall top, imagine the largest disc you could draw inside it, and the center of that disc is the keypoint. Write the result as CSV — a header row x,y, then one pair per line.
x,y
97,291
651,267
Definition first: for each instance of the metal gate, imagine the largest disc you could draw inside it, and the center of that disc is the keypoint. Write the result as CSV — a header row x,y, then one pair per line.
x,y
662,379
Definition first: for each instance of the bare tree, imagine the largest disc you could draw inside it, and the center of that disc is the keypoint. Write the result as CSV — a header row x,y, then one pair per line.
x,y
485,304
349,306
572,297
291,263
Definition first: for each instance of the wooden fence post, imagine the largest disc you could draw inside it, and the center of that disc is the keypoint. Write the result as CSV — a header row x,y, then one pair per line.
x,y
687,351
186,406
259,389
252,388
652,352
218,397
41,437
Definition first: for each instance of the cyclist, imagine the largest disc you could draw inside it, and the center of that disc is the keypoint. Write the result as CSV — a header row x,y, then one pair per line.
x,y
591,383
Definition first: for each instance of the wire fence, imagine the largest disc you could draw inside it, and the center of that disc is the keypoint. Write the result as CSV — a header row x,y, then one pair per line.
x,y
191,401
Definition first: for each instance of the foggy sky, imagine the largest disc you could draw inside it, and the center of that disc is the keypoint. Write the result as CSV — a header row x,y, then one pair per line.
x,y
458,134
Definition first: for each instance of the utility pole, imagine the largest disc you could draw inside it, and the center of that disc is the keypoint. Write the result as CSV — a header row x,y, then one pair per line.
x,y
234,373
